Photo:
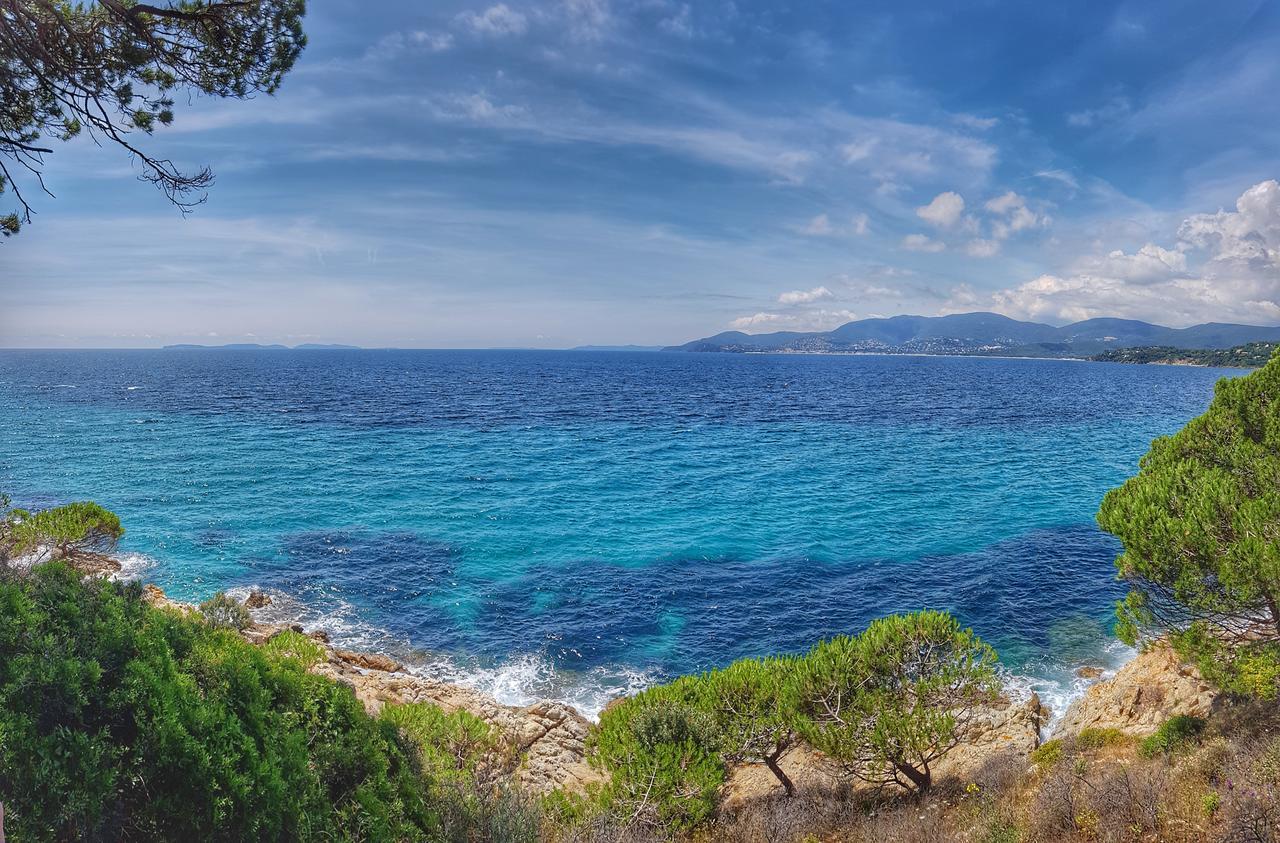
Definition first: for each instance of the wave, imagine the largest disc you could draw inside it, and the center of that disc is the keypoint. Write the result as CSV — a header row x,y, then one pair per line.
x,y
1059,684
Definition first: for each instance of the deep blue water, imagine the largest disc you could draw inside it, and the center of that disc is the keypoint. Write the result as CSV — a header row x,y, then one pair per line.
x,y
577,523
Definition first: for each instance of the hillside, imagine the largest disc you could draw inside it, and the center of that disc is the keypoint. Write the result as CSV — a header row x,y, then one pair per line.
x,y
1249,356
985,333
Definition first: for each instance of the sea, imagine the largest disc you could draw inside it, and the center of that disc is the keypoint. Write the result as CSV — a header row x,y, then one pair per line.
x,y
580,525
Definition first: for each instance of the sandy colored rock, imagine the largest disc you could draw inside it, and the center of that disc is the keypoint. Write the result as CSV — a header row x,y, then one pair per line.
x,y
1153,687
369,661
257,599
155,597
1090,672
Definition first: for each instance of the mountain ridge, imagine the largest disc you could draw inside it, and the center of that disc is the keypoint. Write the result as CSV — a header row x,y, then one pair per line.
x,y
984,332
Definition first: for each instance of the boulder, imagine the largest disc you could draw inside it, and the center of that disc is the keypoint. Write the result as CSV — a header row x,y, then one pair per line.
x,y
257,599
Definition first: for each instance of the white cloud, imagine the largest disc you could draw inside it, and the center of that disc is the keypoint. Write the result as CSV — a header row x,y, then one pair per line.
x,y
814,320
805,296
943,211
1222,267
1117,108
980,248
680,24
589,20
819,226
436,42
822,226
922,243
499,20
1014,215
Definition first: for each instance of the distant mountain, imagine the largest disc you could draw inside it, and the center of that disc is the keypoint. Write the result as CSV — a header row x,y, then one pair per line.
x,y
253,346
985,333
617,348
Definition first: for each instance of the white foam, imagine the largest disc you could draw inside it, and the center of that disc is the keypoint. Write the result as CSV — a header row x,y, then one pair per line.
x,y
132,566
1060,685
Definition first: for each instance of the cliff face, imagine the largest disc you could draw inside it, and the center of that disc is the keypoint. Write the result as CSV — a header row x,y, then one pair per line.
x,y
1153,687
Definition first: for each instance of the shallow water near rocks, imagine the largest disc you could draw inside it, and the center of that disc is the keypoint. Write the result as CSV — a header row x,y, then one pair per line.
x,y
581,524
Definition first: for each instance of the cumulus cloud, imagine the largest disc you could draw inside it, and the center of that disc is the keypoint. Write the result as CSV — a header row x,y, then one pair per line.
x,y
922,243
859,224
499,20
943,211
1223,266
805,296
1013,215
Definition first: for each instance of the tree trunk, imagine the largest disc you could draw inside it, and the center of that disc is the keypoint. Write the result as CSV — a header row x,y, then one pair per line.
x,y
921,779
771,761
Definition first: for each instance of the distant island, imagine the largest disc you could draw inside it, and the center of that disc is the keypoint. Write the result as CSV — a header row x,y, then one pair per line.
x,y
253,346
985,334
1252,355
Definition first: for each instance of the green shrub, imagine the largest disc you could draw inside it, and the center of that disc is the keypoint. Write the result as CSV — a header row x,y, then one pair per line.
x,y
663,753
294,646
1099,738
889,703
119,721
224,612
1175,734
452,746
64,529
1048,753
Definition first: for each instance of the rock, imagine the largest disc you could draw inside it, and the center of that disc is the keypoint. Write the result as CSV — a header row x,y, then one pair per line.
x,y
1008,725
368,661
319,635
1089,672
1153,687
156,597
257,599
92,564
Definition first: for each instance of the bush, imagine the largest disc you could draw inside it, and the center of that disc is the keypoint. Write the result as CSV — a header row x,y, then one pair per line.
x,y
224,612
892,701
456,746
662,751
293,646
1048,753
121,721
1098,738
1175,734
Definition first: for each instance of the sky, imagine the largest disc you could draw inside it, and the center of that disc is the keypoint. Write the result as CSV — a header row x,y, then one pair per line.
x,y
551,174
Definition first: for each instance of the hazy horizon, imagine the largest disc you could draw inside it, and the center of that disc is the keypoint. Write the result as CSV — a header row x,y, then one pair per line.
x,y
603,172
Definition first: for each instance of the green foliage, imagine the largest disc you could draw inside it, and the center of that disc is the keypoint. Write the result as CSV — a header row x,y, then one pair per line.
x,y
1200,524
892,701
295,647
1174,735
80,526
1048,753
1099,738
223,612
454,746
116,68
1250,355
120,721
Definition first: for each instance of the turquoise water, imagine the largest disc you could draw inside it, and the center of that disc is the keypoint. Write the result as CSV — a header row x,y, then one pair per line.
x,y
581,524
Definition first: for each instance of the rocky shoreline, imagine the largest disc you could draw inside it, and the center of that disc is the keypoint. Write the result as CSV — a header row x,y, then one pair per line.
x,y
543,746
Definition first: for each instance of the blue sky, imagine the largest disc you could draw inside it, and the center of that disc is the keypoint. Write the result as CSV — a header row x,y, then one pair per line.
x,y
649,171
